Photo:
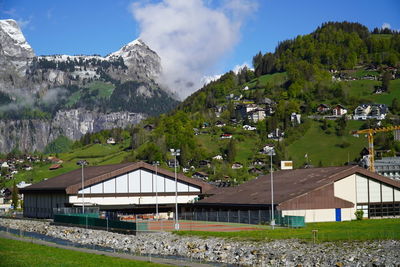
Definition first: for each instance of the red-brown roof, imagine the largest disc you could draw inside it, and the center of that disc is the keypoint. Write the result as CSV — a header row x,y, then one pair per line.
x,y
288,184
71,182
55,166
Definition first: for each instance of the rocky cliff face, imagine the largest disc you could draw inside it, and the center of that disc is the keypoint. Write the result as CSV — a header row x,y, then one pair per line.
x,y
80,93
15,55
35,134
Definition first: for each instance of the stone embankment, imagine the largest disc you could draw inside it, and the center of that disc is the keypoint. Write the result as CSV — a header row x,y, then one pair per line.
x,y
275,253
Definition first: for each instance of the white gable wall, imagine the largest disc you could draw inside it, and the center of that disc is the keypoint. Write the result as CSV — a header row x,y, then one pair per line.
x,y
136,182
139,181
131,200
346,189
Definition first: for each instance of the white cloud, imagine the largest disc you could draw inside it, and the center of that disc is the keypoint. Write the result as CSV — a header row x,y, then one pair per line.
x,y
237,68
190,37
54,95
210,78
21,99
207,79
385,25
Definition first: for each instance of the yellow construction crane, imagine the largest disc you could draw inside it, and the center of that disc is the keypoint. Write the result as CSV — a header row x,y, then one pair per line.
x,y
370,133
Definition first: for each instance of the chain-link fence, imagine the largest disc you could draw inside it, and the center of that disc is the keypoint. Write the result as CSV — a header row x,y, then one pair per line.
x,y
232,216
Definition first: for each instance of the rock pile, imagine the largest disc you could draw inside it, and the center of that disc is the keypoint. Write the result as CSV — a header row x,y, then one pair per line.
x,y
278,252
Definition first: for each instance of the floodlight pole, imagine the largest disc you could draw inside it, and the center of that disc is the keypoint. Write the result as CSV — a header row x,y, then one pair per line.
x,y
176,152
83,163
271,153
156,163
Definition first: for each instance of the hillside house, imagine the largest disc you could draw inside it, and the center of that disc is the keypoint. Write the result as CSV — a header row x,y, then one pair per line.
x,y
295,119
5,165
255,170
226,136
249,128
276,135
220,124
218,157
205,163
111,141
258,162
370,111
200,175
339,110
257,115
171,163
267,148
237,165
322,108
243,110
55,167
55,160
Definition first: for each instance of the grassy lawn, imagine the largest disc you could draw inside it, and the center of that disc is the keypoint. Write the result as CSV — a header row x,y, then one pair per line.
x,y
364,89
246,149
330,231
98,154
315,143
18,253
360,88
275,79
105,89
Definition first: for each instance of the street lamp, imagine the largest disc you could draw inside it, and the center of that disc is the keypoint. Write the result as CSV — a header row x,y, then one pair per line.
x,y
156,163
176,152
272,153
83,163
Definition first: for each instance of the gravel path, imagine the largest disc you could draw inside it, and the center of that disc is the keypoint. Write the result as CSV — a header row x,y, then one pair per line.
x,y
272,253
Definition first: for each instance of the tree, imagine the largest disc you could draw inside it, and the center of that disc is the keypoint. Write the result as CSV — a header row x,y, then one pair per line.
x,y
341,126
14,196
395,105
387,76
231,151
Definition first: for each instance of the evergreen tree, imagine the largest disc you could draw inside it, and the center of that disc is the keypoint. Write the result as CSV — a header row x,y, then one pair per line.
x,y
231,151
395,105
387,76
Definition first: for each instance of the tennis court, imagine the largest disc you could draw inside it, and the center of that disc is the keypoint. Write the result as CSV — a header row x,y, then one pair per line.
x,y
185,225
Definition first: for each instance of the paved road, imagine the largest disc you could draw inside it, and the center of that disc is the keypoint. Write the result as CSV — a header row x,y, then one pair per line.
x,y
110,254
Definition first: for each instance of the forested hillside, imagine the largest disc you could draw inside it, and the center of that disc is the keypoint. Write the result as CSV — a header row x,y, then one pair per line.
x,y
240,115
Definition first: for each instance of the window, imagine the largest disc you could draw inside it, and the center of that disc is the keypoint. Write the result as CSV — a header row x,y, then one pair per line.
x,y
384,209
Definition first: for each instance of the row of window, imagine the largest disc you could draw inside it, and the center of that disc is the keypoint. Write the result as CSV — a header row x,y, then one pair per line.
x,y
384,210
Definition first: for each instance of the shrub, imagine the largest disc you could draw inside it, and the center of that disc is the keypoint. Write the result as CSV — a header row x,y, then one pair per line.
x,y
359,214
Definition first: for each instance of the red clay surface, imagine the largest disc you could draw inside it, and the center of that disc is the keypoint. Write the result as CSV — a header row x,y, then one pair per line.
x,y
197,226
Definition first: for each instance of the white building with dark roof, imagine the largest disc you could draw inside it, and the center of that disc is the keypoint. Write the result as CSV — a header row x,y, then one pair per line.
x,y
128,186
318,194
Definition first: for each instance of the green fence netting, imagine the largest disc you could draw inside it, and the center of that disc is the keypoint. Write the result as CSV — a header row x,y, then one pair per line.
x,y
81,219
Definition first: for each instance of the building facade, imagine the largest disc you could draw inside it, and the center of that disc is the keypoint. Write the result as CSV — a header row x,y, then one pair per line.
x,y
135,187
318,194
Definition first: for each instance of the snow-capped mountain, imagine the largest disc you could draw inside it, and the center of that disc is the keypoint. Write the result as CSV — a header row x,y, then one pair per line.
x,y
22,69
33,87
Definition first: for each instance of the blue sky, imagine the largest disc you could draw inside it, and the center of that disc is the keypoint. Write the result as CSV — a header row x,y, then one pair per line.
x,y
101,27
